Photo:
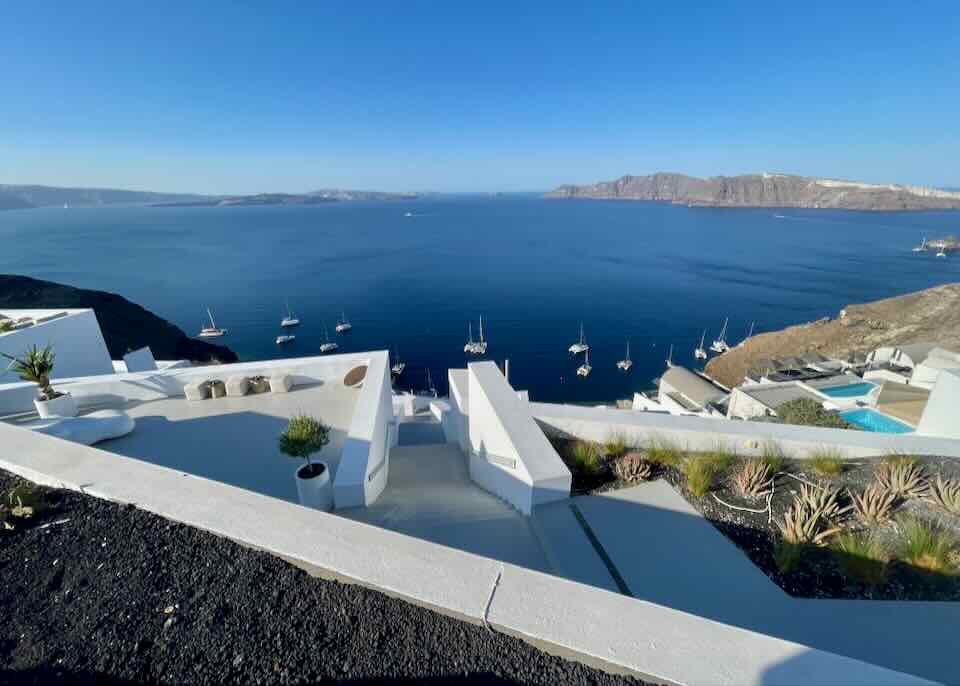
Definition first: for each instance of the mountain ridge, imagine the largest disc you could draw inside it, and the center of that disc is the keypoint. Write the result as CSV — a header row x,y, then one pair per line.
x,y
763,190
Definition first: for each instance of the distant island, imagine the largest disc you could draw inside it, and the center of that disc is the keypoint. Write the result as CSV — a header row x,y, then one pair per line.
x,y
765,190
15,197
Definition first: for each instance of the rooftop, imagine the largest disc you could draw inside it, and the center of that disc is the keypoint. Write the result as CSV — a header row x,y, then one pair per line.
x,y
775,395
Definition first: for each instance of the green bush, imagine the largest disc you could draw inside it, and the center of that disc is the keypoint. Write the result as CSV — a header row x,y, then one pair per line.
x,y
826,462
926,546
861,557
663,452
585,457
808,412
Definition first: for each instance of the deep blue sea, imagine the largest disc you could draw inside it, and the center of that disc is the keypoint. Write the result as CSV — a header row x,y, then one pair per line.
x,y
655,273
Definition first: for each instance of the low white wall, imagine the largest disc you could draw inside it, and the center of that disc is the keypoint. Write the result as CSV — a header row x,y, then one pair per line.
x,y
941,416
365,458
584,622
457,428
746,438
509,455
76,339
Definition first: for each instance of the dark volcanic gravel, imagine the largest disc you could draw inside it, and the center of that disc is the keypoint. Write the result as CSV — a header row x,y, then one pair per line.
x,y
116,595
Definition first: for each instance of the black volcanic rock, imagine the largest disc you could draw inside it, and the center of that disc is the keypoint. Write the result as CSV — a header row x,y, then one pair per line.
x,y
764,190
126,326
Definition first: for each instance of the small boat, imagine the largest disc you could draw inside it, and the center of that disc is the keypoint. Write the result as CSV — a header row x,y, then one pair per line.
x,y
285,339
922,247
626,362
430,391
585,368
288,318
700,353
327,345
470,346
670,356
581,345
720,344
211,331
942,252
480,348
408,214
398,366
749,333
343,324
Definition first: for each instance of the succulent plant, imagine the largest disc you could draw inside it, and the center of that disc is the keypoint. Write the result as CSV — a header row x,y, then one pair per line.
x,y
753,479
874,504
945,493
903,479
632,467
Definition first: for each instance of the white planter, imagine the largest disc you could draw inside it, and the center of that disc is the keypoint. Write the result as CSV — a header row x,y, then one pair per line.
x,y
63,406
315,492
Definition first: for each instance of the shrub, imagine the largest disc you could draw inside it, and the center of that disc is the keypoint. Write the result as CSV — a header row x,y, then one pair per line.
x,y
663,452
787,556
826,462
898,458
585,456
632,468
903,479
701,471
874,505
616,445
773,456
753,479
808,412
926,546
304,436
861,557
22,502
945,493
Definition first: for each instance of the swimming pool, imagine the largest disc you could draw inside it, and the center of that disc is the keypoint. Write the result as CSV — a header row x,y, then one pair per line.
x,y
848,391
871,420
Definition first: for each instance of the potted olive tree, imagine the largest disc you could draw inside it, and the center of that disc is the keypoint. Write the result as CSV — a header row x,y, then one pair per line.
x,y
303,437
36,365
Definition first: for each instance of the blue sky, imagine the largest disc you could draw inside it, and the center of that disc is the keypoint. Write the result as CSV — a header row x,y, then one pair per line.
x,y
273,96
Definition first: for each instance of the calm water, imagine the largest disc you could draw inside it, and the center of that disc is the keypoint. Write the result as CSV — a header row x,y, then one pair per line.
x,y
534,268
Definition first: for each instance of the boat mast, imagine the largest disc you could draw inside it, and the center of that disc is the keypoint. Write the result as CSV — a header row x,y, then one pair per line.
x,y
481,328
213,324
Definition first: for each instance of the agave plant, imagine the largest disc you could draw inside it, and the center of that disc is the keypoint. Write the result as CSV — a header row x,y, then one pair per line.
x,y
902,478
945,493
35,365
801,525
822,500
875,504
753,479
632,467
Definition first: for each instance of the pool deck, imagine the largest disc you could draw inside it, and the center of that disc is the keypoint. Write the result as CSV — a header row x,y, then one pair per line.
x,y
234,440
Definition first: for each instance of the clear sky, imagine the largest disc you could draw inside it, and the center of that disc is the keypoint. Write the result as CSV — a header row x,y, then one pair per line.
x,y
450,96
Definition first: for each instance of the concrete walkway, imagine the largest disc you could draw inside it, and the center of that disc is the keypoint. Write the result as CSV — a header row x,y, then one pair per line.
x,y
667,553
429,495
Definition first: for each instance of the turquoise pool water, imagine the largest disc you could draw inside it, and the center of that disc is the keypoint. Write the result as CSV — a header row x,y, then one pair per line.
x,y
871,420
848,391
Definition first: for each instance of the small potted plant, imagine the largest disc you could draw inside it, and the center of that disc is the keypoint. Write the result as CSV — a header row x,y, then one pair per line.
x,y
36,365
303,437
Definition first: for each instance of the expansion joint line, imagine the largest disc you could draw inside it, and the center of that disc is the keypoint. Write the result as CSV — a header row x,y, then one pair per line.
x,y
493,590
601,552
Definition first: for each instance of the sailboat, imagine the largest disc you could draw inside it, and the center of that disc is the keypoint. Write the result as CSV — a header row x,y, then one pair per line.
x,y
942,252
585,368
480,348
720,344
670,356
211,331
470,346
626,362
700,353
922,247
398,366
581,345
289,319
430,390
327,345
343,324
749,334
285,338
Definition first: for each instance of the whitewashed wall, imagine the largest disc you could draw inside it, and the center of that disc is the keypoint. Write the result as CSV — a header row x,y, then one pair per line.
x,y
76,339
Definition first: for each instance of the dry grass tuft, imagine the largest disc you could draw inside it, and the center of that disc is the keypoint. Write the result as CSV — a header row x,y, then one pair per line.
x,y
861,557
874,505
826,462
616,445
926,546
663,452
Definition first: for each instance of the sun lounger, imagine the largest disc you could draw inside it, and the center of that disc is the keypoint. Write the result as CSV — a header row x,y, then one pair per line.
x,y
237,386
89,428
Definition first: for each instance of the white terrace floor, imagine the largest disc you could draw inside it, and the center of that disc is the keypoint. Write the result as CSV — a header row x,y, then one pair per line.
x,y
234,440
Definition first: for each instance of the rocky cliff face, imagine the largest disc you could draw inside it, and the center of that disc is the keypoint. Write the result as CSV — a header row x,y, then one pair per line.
x,y
764,190
929,316
126,326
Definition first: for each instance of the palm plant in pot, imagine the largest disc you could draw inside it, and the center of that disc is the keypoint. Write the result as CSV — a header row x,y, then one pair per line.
x,y
36,365
303,437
